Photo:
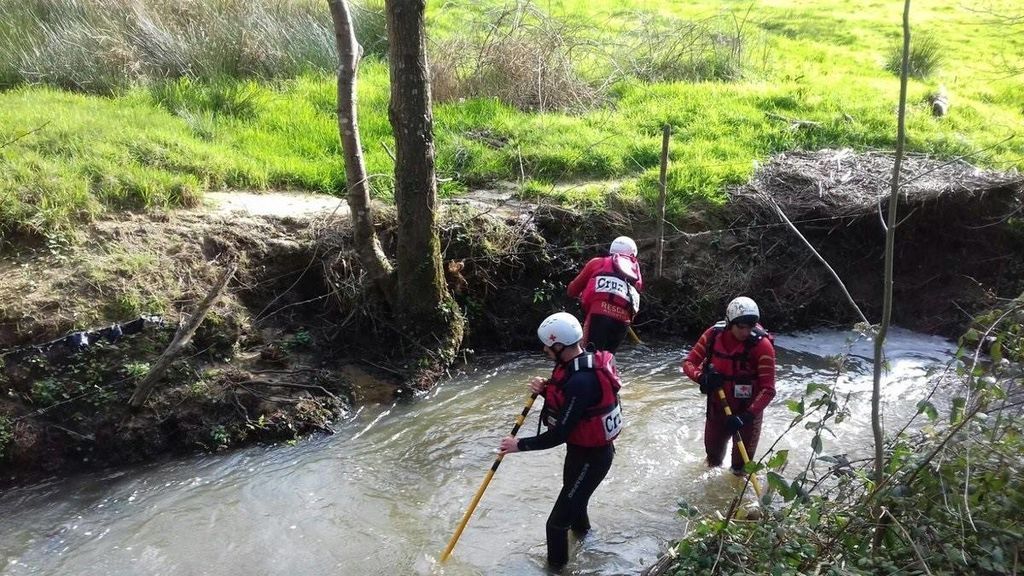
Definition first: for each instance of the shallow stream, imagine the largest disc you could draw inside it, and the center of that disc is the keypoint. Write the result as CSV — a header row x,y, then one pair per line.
x,y
385,493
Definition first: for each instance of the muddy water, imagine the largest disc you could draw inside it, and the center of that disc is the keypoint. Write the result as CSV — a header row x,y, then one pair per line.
x,y
384,494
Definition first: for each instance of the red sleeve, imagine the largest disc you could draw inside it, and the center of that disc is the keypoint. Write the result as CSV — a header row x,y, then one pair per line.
x,y
579,283
639,280
764,353
693,365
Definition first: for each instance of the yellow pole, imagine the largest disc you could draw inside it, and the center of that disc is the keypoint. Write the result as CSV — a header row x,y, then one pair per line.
x,y
632,336
739,443
487,480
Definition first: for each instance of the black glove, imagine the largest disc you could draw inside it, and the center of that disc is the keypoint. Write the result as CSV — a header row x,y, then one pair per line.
x,y
737,421
710,380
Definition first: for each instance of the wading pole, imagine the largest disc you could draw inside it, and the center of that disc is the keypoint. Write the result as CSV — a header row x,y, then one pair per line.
x,y
487,480
739,443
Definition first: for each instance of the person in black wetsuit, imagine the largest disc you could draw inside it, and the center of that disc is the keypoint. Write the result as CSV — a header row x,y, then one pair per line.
x,y
581,410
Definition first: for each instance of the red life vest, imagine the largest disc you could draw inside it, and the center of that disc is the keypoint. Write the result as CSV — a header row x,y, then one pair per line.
x,y
611,291
738,370
601,423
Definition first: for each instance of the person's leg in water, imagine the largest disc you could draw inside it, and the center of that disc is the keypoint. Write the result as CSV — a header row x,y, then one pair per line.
x,y
583,471
750,435
605,332
716,438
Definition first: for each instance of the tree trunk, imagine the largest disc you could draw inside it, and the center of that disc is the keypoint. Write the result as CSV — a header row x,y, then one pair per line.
x,y
371,256
422,295
887,283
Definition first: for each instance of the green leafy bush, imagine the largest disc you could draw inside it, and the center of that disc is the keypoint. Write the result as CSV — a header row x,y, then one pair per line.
x,y
950,502
6,435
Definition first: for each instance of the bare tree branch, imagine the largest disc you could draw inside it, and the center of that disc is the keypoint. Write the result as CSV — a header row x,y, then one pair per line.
x,y
913,544
820,258
181,339
887,284
20,136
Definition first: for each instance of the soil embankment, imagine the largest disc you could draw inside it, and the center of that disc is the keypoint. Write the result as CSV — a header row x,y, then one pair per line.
x,y
296,339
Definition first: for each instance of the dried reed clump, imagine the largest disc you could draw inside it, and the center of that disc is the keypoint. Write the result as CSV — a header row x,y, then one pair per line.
x,y
105,45
522,57
533,61
658,48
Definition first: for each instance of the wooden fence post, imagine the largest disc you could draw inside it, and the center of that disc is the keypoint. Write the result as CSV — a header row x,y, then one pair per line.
x,y
662,193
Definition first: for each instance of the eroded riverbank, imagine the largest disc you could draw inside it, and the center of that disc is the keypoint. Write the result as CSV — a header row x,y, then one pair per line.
x,y
297,340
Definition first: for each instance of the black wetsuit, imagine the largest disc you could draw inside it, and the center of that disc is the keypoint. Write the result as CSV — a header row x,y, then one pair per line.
x,y
606,333
583,471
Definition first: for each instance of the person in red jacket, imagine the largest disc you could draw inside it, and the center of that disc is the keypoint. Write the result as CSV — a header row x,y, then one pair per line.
x,y
737,356
582,411
609,289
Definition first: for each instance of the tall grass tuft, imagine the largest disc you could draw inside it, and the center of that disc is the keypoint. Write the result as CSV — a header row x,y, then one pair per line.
x,y
925,57
371,27
657,48
186,97
103,46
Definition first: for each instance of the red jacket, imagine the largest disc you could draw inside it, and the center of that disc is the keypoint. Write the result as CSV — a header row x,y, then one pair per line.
x,y
605,288
748,368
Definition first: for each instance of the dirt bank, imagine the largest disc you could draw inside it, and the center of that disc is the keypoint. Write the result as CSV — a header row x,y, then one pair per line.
x,y
296,339
258,369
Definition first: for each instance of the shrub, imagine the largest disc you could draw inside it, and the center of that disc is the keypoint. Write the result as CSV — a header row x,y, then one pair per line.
x,y
220,438
137,370
6,434
657,48
47,391
520,56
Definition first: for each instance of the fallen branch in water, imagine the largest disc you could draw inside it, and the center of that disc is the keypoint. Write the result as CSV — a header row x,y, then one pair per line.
x,y
663,565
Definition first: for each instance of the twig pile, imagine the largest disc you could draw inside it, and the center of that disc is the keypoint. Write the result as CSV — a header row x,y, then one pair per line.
x,y
844,183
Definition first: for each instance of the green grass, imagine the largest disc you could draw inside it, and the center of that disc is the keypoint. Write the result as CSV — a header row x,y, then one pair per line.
x,y
162,143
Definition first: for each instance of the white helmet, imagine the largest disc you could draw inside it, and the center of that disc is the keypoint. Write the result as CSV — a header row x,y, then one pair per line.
x,y
742,310
623,245
560,328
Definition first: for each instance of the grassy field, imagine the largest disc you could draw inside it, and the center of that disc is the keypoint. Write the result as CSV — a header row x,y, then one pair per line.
x,y
162,142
